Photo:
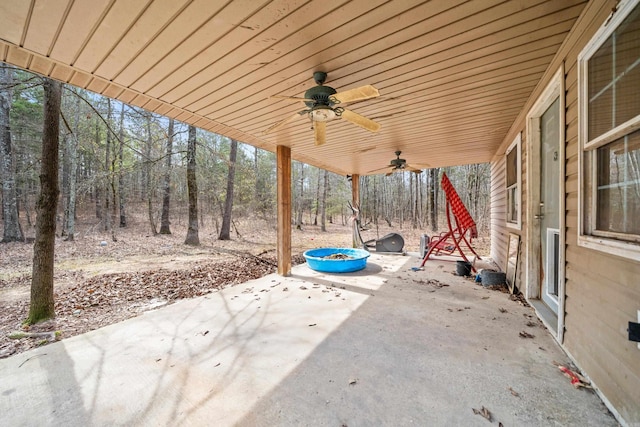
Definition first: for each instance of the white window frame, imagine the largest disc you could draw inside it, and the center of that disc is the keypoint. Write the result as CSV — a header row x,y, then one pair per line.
x,y
608,242
515,145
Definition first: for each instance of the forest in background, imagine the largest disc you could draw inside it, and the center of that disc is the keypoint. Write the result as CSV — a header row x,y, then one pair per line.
x,y
115,159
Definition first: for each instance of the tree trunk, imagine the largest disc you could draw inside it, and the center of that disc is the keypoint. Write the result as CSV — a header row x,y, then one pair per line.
x,y
317,210
11,221
98,183
166,184
64,190
147,184
323,212
433,198
192,189
300,203
72,150
228,202
107,169
256,172
42,303
121,194
416,202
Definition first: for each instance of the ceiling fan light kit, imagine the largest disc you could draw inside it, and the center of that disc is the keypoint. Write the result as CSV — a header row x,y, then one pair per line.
x,y
324,113
321,107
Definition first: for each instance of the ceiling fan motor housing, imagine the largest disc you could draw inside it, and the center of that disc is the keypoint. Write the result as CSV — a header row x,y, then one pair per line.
x,y
320,96
398,163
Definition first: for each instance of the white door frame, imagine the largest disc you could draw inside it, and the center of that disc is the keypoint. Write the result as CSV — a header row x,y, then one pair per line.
x,y
555,89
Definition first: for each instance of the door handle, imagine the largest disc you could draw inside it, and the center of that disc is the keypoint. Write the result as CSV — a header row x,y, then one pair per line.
x,y
540,214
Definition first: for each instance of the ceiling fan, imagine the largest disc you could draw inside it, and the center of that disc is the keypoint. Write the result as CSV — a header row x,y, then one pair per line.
x,y
323,104
399,165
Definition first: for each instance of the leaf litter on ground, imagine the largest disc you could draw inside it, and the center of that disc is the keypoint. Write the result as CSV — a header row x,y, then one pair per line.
x,y
109,298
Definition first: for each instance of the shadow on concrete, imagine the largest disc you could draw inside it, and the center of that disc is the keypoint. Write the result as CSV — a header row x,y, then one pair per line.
x,y
423,355
52,391
363,348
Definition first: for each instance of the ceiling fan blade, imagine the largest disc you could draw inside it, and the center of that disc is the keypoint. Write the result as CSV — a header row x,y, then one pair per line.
x,y
281,123
320,129
357,94
414,168
361,121
380,169
420,166
291,98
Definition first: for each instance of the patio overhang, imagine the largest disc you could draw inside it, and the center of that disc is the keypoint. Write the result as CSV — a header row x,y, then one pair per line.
x,y
452,75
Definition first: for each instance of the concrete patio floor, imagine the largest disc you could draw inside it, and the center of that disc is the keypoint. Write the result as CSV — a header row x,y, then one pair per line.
x,y
379,347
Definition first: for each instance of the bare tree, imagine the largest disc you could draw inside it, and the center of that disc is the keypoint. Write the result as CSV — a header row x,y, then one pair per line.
x,y
107,169
42,303
12,229
433,197
225,230
317,210
192,188
147,184
323,212
98,185
300,203
121,193
166,184
72,152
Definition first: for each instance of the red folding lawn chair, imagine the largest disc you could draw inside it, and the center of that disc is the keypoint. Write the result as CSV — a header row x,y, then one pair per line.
x,y
462,228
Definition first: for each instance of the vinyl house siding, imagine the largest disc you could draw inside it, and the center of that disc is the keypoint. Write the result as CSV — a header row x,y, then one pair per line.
x,y
499,229
602,291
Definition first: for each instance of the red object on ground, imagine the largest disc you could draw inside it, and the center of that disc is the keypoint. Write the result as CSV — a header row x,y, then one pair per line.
x,y
576,380
462,224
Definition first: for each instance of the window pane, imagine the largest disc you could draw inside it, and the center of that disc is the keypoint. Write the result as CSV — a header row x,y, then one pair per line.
x,y
628,42
628,68
618,194
512,167
628,98
512,204
601,90
601,114
613,83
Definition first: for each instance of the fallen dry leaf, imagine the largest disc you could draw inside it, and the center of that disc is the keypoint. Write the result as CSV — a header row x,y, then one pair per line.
x,y
525,334
483,412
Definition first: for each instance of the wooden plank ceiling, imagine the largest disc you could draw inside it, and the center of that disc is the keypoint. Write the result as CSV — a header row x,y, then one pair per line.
x,y
452,74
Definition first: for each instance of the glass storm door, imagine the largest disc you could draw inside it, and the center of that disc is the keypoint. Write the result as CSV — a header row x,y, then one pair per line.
x,y
549,213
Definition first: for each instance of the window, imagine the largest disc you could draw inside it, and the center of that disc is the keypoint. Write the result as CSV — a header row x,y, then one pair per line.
x,y
609,83
513,183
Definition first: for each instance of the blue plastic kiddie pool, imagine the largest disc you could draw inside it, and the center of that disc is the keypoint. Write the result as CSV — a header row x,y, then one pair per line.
x,y
336,260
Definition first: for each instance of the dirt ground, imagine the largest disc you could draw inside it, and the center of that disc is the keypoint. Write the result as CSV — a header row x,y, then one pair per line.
x,y
99,281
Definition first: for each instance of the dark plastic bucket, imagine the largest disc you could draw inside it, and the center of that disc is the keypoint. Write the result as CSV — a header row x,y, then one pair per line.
x,y
463,268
